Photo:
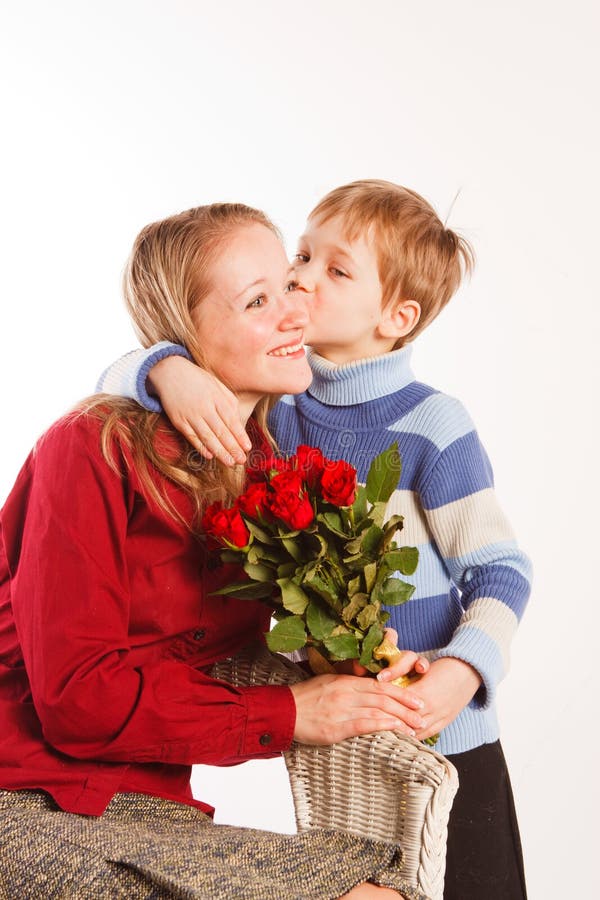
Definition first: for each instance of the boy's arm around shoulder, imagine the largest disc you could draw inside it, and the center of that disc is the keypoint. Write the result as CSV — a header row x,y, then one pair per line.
x,y
479,549
197,403
128,375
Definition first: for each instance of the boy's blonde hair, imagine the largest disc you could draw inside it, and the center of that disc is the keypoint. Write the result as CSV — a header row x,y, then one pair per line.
x,y
418,257
166,278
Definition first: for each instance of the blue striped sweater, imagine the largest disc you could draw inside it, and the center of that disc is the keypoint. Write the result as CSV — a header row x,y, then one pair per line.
x,y
472,581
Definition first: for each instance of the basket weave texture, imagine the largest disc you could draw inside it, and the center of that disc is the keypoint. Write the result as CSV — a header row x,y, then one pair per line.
x,y
385,786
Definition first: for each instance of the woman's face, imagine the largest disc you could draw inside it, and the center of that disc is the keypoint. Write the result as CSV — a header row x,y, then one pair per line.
x,y
251,324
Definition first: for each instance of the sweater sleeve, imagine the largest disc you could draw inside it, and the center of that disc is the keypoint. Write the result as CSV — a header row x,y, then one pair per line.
x,y
96,695
127,377
481,554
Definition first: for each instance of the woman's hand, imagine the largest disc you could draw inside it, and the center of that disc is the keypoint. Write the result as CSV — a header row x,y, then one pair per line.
x,y
202,409
330,708
445,690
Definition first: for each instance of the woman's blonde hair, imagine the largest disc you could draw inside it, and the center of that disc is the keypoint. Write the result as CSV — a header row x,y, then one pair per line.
x,y
418,257
167,276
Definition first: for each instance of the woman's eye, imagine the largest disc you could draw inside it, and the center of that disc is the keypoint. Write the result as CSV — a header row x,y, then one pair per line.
x,y
291,286
301,257
257,302
338,272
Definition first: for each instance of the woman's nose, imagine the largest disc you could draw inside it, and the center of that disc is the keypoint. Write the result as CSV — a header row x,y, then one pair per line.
x,y
295,311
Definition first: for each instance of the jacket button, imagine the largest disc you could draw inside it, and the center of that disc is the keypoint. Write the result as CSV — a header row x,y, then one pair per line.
x,y
265,739
199,634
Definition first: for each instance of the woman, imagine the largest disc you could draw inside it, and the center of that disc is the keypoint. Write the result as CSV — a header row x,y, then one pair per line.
x,y
108,632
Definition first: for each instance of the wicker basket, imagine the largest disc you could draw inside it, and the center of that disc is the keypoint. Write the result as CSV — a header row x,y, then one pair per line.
x,y
385,786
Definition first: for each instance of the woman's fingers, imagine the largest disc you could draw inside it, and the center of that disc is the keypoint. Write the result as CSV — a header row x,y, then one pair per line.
x,y
330,708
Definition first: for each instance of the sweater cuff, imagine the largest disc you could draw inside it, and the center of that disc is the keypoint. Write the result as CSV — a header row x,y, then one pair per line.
x,y
128,376
473,646
271,719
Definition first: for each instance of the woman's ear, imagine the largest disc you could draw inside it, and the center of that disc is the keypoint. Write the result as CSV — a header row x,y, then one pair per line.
x,y
399,319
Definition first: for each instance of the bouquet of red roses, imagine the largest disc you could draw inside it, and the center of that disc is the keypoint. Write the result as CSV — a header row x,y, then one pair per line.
x,y
313,543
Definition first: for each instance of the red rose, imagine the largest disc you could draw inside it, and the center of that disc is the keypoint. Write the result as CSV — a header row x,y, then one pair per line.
x,y
289,500
226,525
338,483
261,465
310,462
253,502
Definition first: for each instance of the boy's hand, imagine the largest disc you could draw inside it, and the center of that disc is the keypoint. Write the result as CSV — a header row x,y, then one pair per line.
x,y
202,409
445,690
409,663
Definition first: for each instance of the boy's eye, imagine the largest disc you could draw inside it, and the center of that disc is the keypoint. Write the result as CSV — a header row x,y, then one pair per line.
x,y
301,257
291,286
257,302
338,272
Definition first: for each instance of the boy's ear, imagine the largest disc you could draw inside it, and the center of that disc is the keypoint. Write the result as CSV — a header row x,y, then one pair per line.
x,y
399,319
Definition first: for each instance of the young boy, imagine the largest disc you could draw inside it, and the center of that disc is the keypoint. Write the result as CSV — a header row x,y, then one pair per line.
x,y
376,266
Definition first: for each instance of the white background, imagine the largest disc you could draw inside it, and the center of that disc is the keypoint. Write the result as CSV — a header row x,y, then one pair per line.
x,y
115,114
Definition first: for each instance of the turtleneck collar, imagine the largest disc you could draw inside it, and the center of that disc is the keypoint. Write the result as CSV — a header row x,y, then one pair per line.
x,y
359,381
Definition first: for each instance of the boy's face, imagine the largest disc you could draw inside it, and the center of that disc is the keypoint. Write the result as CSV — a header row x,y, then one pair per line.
x,y
340,280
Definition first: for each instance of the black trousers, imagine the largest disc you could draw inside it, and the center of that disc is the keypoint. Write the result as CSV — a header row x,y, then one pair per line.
x,y
484,858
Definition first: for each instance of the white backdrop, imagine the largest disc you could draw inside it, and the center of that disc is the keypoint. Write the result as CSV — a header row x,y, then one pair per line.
x,y
117,113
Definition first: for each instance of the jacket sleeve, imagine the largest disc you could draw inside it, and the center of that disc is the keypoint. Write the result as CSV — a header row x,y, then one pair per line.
x,y
480,552
127,377
72,609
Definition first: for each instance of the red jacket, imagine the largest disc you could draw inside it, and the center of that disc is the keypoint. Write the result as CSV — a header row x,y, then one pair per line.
x,y
106,636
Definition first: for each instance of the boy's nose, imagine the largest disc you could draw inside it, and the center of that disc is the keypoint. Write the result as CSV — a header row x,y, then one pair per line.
x,y
305,278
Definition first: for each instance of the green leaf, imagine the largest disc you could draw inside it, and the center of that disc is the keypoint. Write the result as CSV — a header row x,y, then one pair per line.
x,y
360,504
370,572
321,584
287,635
384,475
393,525
342,646
371,541
259,573
232,556
356,563
293,597
258,532
354,586
286,570
372,639
353,547
267,554
292,548
377,513
322,548
410,560
404,560
354,606
248,590
367,617
252,555
393,592
333,522
319,621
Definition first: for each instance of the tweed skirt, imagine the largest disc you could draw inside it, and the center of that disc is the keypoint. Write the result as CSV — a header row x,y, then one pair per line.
x,y
146,848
